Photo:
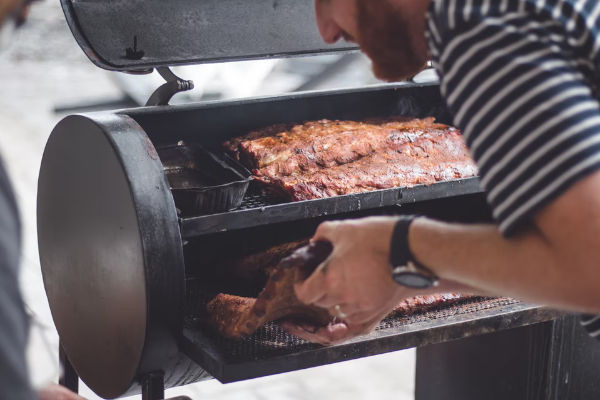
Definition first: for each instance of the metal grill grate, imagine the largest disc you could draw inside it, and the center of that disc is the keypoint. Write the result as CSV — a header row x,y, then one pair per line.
x,y
257,200
270,340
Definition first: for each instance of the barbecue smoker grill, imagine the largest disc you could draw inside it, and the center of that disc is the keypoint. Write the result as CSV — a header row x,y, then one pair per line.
x,y
127,277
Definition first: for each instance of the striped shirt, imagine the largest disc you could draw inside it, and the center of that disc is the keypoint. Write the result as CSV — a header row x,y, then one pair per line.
x,y
520,78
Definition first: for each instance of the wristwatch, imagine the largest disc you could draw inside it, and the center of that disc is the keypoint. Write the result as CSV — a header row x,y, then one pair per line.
x,y
405,269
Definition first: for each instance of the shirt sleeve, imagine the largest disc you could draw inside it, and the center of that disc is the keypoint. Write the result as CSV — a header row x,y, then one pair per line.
x,y
520,93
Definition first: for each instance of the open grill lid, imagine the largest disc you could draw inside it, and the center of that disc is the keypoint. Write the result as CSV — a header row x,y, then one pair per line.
x,y
138,35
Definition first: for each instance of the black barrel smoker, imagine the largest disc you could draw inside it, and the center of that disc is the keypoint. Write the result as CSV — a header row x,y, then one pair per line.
x,y
127,274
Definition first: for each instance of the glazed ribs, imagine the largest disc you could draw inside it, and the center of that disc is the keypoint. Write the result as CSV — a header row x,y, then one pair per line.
x,y
255,268
237,316
325,158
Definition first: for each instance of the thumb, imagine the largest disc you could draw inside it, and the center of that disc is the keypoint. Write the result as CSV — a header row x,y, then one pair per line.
x,y
326,231
312,289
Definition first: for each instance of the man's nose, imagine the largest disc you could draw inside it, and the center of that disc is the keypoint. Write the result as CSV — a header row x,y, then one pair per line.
x,y
329,30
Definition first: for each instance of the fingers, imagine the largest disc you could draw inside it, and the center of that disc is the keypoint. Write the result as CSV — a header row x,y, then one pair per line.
x,y
326,336
359,318
331,334
321,287
321,291
313,289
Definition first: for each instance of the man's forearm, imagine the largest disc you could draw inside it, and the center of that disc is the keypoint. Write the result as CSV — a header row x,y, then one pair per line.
x,y
527,267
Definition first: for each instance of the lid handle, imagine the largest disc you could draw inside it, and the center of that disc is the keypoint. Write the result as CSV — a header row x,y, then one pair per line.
x,y
174,85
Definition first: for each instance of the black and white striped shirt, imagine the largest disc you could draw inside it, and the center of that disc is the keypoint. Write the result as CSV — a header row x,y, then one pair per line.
x,y
520,78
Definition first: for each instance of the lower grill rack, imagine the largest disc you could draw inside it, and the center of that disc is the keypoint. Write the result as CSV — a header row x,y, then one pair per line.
x,y
271,350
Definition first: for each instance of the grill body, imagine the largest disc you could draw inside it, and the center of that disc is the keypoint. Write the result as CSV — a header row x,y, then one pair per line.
x,y
127,277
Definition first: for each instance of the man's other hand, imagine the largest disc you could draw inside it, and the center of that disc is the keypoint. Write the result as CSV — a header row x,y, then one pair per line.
x,y
57,392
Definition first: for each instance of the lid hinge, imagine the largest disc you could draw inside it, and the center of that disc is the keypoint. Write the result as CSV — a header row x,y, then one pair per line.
x,y
174,85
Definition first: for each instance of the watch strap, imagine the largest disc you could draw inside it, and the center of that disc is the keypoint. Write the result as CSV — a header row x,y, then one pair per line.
x,y
400,253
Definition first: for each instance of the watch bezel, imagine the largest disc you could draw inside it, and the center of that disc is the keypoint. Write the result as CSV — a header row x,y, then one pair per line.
x,y
413,270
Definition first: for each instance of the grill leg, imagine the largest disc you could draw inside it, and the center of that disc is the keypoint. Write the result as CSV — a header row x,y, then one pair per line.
x,y
153,386
69,377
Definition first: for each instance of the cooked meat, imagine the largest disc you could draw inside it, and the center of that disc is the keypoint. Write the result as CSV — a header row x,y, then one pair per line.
x,y
328,158
286,149
255,268
234,316
429,159
420,304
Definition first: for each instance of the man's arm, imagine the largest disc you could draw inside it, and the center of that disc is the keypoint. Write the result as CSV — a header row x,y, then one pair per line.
x,y
555,261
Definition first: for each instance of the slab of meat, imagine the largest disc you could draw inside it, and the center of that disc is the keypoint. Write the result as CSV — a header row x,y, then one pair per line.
x,y
286,149
254,269
236,316
430,159
327,158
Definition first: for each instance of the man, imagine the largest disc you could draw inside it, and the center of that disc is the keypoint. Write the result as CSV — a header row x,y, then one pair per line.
x,y
519,77
14,381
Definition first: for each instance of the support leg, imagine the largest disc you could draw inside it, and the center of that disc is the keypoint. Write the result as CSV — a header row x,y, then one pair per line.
x,y
69,377
153,386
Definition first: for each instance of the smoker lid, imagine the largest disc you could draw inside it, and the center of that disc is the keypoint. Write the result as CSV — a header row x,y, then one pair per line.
x,y
129,35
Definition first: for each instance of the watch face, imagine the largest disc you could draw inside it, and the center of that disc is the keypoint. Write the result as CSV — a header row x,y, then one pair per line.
x,y
413,280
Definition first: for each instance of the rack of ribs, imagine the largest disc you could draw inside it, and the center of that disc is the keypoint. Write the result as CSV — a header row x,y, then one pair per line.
x,y
255,268
237,316
326,158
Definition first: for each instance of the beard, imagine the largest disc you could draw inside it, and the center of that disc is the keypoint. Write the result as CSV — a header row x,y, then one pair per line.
x,y
385,37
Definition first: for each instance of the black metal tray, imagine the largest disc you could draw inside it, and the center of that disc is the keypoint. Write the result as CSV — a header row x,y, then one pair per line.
x,y
258,209
272,351
202,181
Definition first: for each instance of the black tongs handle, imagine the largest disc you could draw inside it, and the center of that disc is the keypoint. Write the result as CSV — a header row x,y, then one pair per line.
x,y
306,259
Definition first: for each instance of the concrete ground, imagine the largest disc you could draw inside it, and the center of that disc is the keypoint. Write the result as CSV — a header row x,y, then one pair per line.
x,y
44,69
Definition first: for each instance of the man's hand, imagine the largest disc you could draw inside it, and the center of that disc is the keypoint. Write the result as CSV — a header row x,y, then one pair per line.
x,y
334,333
355,282
57,392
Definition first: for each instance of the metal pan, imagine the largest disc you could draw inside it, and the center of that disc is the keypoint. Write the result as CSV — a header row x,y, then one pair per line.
x,y
202,181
